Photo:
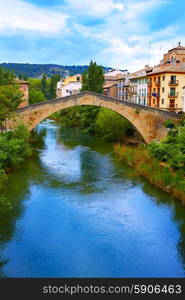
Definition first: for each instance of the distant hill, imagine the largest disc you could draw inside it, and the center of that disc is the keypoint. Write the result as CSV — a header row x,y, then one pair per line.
x,y
36,70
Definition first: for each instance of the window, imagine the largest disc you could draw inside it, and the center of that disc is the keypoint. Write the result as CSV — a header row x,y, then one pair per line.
x,y
163,78
172,91
172,103
154,79
163,89
162,101
154,90
153,101
78,78
151,80
173,79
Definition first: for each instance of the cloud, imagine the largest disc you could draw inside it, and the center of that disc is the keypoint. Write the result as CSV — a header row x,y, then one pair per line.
x,y
112,32
95,7
17,15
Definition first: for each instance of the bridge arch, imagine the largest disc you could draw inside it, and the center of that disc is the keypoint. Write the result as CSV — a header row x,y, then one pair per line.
x,y
147,121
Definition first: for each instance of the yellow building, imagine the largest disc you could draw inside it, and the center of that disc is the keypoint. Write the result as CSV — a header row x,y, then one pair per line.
x,y
74,78
166,81
165,88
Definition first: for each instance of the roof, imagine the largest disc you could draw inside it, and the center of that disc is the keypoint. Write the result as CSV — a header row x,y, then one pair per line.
x,y
74,84
141,73
115,73
171,68
109,85
179,47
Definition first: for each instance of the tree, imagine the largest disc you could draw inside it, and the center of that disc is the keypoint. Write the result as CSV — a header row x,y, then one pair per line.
x,y
44,84
112,127
6,77
10,96
22,76
53,86
93,79
36,96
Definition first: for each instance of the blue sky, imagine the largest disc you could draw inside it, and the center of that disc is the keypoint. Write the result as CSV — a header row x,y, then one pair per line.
x,y
114,33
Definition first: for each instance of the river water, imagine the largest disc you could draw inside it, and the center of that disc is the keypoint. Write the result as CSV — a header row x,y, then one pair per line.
x,y
79,212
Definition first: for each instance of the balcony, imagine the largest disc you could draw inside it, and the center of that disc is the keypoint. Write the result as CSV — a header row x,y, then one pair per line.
x,y
149,84
173,82
173,95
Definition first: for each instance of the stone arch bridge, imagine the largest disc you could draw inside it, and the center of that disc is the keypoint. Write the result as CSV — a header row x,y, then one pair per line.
x,y
147,121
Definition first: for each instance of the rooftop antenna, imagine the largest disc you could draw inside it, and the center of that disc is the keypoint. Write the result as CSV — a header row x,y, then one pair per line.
x,y
160,47
149,48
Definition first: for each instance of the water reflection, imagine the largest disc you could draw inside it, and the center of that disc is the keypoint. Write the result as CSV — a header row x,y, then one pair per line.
x,y
100,210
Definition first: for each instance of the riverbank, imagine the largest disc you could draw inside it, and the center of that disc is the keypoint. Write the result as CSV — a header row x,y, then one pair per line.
x,y
156,172
14,149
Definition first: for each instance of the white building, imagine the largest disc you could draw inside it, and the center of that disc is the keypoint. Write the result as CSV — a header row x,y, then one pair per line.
x,y
134,87
70,89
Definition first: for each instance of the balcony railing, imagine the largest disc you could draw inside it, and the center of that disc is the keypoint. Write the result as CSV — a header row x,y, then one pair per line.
x,y
173,95
173,82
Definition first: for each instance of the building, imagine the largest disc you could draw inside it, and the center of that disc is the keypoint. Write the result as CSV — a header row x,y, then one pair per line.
x,y
166,81
24,87
68,81
70,89
139,86
111,80
133,87
111,90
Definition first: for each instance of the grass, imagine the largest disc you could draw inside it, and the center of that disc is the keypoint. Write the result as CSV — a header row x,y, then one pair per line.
x,y
157,173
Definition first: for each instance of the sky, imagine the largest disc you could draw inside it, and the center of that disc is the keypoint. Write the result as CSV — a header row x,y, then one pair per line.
x,y
123,34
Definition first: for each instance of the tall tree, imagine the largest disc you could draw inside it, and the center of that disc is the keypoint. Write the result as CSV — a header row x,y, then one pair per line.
x,y
53,85
44,84
93,79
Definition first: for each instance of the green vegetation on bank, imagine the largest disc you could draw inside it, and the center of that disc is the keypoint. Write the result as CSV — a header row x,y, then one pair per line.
x,y
14,148
10,96
14,145
163,163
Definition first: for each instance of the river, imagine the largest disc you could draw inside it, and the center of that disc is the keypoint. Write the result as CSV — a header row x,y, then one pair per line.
x,y
79,212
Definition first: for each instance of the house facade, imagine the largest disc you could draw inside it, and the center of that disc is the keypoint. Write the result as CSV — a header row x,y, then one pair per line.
x,y
134,87
111,90
69,85
166,81
71,88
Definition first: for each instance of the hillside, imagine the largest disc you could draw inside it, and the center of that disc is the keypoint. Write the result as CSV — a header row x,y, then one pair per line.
x,y
36,70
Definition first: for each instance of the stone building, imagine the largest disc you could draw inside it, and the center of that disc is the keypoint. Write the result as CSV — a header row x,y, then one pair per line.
x,y
24,87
